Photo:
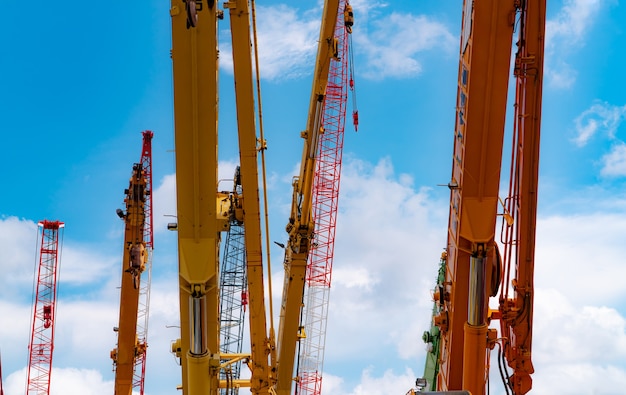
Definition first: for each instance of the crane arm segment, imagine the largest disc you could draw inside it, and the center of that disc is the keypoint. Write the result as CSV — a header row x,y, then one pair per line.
x,y
474,265
133,264
481,105
261,345
300,227
519,243
194,61
146,277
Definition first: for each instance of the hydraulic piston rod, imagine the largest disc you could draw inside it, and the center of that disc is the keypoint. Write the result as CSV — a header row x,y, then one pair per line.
x,y
197,325
475,343
477,294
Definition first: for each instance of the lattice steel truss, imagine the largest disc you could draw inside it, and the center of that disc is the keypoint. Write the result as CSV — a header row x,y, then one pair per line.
x,y
325,199
139,373
233,296
41,343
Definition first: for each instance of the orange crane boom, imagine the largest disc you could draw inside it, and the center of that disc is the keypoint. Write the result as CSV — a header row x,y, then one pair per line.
x,y
130,348
473,268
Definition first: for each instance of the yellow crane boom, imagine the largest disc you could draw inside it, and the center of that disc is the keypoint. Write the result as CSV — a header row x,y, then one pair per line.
x,y
261,345
201,210
203,213
194,60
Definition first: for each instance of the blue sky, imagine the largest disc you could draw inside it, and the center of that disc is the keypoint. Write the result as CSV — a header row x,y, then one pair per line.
x,y
79,83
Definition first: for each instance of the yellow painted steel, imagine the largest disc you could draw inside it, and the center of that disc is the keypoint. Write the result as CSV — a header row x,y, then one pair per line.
x,y
194,60
261,345
133,261
194,56
300,226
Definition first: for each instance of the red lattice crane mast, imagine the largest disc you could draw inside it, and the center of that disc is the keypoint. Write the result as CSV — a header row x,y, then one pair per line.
x,y
129,357
325,200
144,287
41,343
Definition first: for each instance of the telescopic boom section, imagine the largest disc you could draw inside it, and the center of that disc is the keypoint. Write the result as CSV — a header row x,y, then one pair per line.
x,y
194,58
261,346
481,105
133,264
474,267
300,226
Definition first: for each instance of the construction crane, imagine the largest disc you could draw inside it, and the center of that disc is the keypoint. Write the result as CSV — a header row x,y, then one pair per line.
x,y
233,288
474,268
41,345
129,356
200,221
202,213
146,277
301,226
325,193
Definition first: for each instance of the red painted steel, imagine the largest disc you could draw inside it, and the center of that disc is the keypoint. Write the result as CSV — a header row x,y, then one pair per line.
x,y
41,343
139,374
325,199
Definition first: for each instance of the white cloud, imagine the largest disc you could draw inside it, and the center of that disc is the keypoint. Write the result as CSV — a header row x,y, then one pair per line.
x,y
386,257
601,327
164,201
79,265
574,344
604,120
64,381
566,32
371,383
614,163
577,253
581,378
600,118
19,239
573,20
391,48
393,45
389,237
286,50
